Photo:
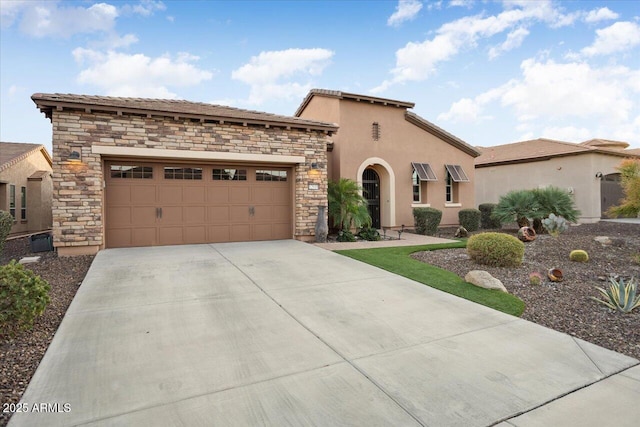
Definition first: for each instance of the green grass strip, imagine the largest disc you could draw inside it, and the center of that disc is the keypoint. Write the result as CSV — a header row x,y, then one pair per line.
x,y
398,260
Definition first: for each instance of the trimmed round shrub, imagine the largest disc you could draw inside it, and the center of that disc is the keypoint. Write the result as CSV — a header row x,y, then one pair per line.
x,y
469,219
23,296
579,256
486,221
6,222
495,249
427,220
370,234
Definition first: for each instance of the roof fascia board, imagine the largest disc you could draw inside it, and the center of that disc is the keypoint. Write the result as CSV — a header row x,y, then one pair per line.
x,y
442,135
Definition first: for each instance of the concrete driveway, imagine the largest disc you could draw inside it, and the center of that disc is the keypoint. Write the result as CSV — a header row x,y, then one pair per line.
x,y
285,333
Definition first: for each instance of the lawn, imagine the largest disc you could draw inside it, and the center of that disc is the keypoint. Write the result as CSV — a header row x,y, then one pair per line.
x,y
398,260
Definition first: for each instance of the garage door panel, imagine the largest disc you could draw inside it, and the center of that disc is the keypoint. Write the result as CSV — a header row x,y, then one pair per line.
x,y
239,195
170,194
281,231
217,194
194,195
238,214
218,214
143,215
172,215
119,216
195,235
119,238
194,214
118,196
171,235
281,195
261,232
240,232
219,233
143,236
142,194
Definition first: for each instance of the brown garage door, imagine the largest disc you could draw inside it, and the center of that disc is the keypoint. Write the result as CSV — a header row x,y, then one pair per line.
x,y
171,204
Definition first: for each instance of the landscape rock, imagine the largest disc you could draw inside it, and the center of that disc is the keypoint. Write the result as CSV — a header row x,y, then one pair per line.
x,y
603,240
485,280
29,260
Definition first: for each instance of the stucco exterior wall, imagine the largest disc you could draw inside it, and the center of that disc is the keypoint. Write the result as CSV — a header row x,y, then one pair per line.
x,y
39,193
78,202
576,173
400,143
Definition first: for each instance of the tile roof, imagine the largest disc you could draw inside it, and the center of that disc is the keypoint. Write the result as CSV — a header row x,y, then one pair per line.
x,y
352,96
543,149
13,152
173,108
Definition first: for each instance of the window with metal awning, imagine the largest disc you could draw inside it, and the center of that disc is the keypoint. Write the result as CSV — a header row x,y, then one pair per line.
x,y
424,171
457,173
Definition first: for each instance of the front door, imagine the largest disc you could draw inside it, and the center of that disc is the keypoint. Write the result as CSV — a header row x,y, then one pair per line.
x,y
610,191
371,192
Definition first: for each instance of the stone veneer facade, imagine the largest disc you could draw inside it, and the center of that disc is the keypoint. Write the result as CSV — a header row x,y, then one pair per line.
x,y
78,187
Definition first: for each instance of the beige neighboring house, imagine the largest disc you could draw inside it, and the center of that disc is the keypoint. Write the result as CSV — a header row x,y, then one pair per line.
x,y
401,160
147,172
26,186
587,170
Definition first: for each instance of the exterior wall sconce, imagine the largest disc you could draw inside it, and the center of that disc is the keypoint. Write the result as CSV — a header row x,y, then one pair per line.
x,y
314,166
74,155
599,175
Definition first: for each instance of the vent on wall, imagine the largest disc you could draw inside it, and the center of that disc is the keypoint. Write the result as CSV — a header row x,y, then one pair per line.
x,y
375,131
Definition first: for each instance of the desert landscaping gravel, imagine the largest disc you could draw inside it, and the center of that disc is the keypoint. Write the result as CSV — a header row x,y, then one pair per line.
x,y
566,306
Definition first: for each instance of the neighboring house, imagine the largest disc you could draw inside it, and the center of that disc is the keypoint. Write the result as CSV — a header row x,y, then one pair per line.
x,y
401,160
26,186
145,172
587,170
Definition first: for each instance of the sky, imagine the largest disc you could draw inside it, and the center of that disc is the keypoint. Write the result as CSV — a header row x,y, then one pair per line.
x,y
489,72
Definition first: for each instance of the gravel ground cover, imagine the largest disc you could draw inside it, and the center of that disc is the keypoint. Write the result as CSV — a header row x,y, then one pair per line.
x,y
21,354
566,306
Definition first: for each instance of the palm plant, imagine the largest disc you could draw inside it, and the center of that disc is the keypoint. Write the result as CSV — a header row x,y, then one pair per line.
x,y
553,200
518,205
347,206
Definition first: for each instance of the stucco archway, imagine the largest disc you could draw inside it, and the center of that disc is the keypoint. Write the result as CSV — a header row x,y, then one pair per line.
x,y
387,188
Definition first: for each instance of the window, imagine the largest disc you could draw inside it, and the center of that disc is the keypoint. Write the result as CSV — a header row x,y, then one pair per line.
x,y
23,203
183,173
448,186
229,175
457,173
416,186
12,200
135,172
270,175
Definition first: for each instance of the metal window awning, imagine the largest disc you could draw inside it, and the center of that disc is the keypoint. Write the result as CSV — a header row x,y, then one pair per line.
x,y
424,171
457,173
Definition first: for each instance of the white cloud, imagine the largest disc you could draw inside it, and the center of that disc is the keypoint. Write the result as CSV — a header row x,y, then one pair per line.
x,y
552,97
10,9
461,3
417,61
144,7
602,14
567,133
138,75
405,11
619,37
514,40
265,73
44,19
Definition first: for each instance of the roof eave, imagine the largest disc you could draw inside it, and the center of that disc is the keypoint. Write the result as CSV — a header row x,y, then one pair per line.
x,y
442,134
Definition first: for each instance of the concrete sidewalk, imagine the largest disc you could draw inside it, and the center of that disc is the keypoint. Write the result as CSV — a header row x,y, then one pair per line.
x,y
285,333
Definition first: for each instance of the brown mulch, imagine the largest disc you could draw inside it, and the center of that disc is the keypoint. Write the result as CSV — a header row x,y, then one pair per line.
x,y
21,354
566,306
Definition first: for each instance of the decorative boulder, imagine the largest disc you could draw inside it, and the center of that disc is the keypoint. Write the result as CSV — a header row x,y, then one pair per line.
x,y
461,232
527,234
485,280
603,240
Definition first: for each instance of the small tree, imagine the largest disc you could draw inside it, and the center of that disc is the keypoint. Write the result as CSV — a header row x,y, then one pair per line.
x,y
517,205
347,206
630,174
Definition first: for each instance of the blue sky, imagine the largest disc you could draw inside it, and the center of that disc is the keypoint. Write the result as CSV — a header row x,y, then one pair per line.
x,y
490,72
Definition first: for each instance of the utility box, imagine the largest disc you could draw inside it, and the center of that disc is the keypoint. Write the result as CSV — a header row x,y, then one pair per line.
x,y
41,242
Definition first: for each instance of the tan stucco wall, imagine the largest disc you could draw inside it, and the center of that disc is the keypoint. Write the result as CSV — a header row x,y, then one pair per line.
x,y
400,144
577,172
39,193
78,206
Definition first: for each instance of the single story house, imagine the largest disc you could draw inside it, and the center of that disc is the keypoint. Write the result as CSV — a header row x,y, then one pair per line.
x,y
586,170
26,186
400,159
145,172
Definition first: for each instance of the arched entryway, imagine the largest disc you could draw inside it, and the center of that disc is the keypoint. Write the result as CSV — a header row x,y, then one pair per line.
x,y
386,190
371,192
610,191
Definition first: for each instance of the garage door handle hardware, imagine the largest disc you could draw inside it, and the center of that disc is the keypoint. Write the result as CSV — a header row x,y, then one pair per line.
x,y
158,212
252,210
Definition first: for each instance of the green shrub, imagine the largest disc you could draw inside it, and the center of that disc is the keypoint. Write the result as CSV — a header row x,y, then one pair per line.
x,y
517,205
495,249
555,225
346,236
579,256
6,222
486,221
427,220
620,296
553,200
370,234
23,296
469,219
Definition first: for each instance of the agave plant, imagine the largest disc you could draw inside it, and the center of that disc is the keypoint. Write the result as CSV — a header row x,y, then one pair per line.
x,y
620,296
